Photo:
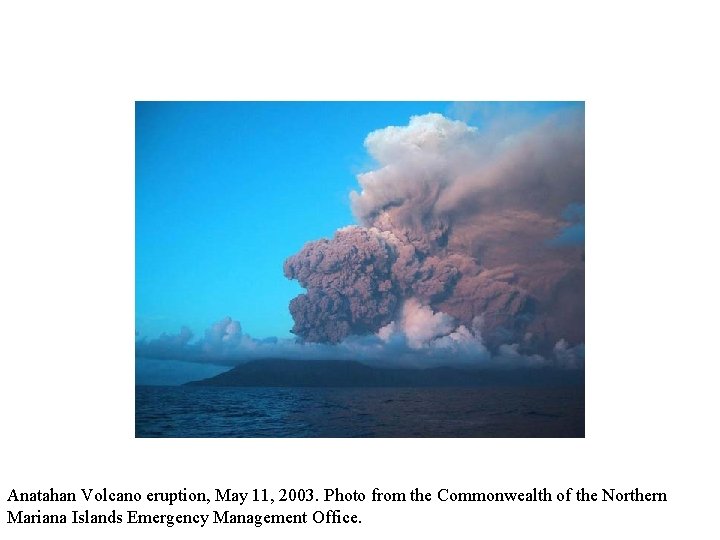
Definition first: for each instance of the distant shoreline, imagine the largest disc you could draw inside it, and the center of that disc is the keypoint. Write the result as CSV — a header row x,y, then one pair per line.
x,y
282,373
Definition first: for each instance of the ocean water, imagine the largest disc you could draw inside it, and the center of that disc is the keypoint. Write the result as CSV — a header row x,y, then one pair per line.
x,y
512,411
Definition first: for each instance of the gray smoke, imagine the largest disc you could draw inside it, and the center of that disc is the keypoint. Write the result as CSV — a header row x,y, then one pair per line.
x,y
463,235
350,285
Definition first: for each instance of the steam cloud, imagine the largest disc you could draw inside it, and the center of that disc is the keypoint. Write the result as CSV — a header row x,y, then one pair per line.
x,y
420,338
463,233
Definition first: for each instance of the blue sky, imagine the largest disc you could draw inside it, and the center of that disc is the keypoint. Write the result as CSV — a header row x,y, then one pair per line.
x,y
225,191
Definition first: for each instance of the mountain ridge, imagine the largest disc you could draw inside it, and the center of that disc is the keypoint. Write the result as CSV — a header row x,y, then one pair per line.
x,y
279,372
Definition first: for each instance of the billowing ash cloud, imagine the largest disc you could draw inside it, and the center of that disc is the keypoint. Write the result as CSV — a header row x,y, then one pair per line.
x,y
350,285
463,233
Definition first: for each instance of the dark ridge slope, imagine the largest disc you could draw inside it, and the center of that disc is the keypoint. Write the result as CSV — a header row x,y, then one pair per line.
x,y
341,373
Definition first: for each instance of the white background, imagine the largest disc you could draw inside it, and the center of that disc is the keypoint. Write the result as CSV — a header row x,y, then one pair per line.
x,y
71,72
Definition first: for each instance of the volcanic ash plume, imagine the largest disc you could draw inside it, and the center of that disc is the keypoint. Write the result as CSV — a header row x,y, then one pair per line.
x,y
350,285
472,230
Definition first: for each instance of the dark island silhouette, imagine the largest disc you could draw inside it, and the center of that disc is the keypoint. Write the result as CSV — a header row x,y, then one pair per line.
x,y
277,372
